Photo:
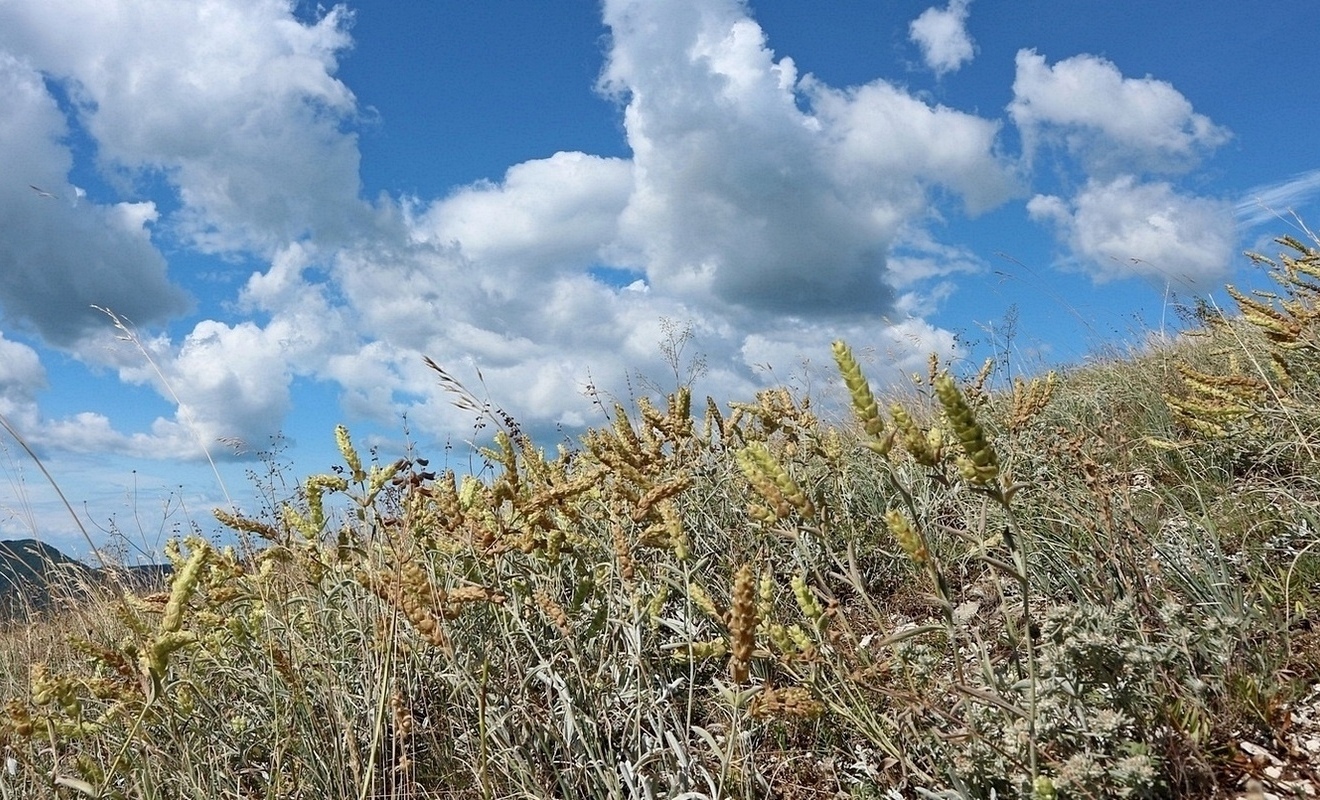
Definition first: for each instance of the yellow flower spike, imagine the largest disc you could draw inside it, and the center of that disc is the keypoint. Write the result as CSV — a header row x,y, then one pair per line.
x,y
379,476
315,488
863,401
701,651
672,521
801,641
299,523
778,636
882,445
469,492
806,599
157,658
935,443
981,456
655,604
349,453
681,408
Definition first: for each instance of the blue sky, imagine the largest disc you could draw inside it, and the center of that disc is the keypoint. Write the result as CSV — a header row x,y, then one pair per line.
x,y
291,205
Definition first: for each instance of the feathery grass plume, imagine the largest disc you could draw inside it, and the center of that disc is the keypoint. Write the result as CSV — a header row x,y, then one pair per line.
x,y
863,400
980,464
742,623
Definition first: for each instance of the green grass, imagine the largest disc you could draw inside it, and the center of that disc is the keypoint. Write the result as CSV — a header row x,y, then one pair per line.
x,y
1092,585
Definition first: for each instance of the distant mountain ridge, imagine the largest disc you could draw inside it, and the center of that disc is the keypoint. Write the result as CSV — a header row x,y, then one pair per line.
x,y
33,575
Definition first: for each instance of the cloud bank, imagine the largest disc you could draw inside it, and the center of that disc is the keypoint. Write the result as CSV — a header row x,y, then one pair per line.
x,y
762,209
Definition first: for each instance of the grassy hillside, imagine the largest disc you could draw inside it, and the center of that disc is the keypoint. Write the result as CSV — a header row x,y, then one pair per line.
x,y
1100,583
32,574
35,576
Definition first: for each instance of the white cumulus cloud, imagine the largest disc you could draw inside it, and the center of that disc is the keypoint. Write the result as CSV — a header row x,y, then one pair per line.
x,y
1123,228
234,104
1111,122
21,376
59,257
941,33
743,195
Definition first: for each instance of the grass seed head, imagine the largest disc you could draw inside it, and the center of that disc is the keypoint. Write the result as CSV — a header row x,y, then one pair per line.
x,y
349,453
859,391
795,702
742,623
554,612
907,537
183,585
980,463
806,599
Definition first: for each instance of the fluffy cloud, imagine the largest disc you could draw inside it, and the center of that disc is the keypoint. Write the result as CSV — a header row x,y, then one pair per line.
x,y
1112,123
21,376
1123,228
765,211
59,254
233,103
742,195
547,215
941,33
1119,129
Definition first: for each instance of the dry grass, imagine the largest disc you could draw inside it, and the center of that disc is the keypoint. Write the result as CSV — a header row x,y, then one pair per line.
x,y
1095,584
